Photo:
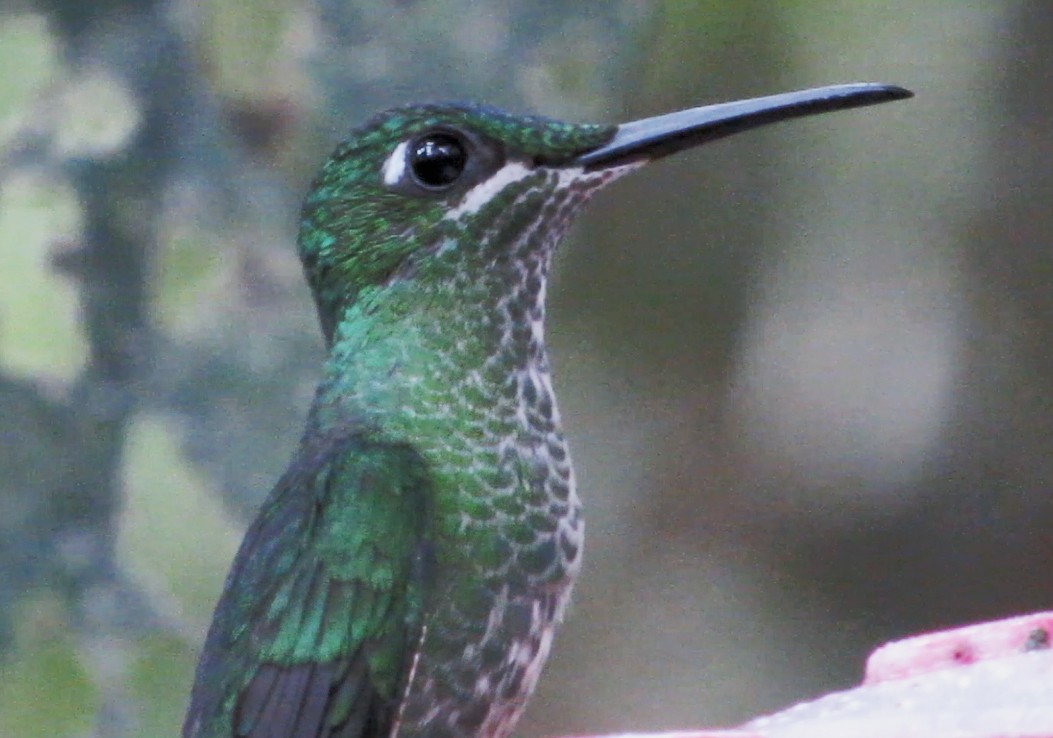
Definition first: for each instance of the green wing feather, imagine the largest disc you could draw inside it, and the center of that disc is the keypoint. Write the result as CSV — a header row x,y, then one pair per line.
x,y
315,629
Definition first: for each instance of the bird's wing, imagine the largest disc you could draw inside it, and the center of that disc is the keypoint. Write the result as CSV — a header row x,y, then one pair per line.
x,y
321,611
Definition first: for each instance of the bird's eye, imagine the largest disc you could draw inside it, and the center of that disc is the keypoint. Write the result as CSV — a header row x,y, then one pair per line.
x,y
437,160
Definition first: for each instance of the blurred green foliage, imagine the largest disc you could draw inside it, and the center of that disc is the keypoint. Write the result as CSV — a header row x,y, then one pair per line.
x,y
42,336
45,662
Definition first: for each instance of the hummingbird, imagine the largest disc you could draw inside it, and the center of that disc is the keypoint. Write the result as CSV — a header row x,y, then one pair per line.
x,y
405,576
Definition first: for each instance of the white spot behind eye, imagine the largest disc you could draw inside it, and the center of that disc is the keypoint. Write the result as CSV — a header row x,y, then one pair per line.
x,y
395,165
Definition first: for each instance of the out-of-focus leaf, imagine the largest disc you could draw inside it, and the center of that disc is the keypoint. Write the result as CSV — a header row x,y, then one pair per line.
x,y
98,115
45,690
187,275
174,537
160,666
40,333
25,45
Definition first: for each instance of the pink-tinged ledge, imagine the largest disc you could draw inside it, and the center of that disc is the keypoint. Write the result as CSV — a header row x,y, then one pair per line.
x,y
993,680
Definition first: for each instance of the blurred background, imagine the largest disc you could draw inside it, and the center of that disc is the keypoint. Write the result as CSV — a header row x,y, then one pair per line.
x,y
806,372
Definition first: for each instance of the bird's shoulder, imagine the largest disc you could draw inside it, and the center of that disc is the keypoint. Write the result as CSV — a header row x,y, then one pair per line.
x,y
320,611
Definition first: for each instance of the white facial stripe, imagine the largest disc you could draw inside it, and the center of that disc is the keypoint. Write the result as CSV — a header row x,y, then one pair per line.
x,y
567,177
395,166
479,195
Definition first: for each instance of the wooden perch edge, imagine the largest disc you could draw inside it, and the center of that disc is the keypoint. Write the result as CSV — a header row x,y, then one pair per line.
x,y
993,680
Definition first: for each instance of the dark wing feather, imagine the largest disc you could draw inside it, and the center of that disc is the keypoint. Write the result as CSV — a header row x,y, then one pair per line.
x,y
312,636
256,697
298,707
279,717
313,700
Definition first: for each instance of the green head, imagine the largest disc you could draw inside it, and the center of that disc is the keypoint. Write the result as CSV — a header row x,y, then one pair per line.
x,y
415,178
434,193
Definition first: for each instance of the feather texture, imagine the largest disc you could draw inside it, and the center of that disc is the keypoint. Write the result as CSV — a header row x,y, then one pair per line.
x,y
313,633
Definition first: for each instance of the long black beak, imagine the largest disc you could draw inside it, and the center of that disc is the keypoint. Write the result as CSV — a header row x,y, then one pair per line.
x,y
653,138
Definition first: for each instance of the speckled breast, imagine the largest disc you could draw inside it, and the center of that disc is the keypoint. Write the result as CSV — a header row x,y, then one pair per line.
x,y
492,623
485,642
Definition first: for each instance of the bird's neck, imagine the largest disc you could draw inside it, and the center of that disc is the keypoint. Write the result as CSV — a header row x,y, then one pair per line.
x,y
449,358
444,351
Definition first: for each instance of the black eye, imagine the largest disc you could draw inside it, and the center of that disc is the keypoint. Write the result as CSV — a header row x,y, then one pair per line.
x,y
437,159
